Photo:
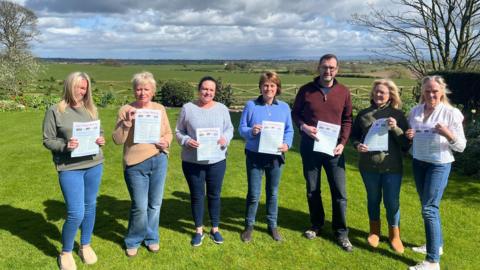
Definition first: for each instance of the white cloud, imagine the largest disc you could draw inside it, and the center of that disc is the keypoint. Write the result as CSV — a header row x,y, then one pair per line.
x,y
73,31
45,22
198,29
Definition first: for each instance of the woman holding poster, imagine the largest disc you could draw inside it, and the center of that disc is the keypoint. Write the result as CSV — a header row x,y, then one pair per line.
x,y
80,173
144,130
378,134
204,130
436,131
266,125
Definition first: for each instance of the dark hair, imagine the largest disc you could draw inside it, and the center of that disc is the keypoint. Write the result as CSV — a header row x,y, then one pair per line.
x,y
270,76
207,78
327,57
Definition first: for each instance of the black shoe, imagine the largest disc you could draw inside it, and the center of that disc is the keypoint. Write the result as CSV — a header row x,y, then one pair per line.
x,y
274,234
345,244
246,235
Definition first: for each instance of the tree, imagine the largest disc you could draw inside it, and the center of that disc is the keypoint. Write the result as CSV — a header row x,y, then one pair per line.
x,y
429,35
18,27
17,71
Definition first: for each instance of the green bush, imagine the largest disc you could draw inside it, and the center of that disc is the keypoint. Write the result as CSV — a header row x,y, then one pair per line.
x,y
468,162
105,99
10,105
40,102
175,93
224,93
464,87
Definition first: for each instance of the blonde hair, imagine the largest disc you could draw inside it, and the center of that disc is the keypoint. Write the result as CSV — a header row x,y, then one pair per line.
x,y
68,99
144,77
443,88
395,100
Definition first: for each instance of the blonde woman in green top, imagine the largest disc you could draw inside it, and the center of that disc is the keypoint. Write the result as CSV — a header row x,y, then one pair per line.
x,y
79,177
382,170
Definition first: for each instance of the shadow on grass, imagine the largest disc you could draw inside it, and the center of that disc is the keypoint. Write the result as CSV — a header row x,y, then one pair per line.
x,y
175,216
464,189
109,211
30,226
175,211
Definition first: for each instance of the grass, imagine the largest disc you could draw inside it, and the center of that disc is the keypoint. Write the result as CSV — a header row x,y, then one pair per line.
x,y
32,213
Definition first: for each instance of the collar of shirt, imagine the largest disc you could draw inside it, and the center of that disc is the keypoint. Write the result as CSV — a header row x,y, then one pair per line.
x,y
260,101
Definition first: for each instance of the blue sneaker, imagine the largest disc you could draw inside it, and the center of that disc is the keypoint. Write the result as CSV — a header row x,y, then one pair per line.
x,y
197,239
216,237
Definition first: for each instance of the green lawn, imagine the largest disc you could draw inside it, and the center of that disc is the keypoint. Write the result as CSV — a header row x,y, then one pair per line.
x,y
32,212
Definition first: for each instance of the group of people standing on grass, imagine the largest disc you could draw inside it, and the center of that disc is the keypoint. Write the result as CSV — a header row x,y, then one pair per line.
x,y
323,100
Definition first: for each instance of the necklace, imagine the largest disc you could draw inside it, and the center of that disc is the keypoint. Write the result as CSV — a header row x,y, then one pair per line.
x,y
269,113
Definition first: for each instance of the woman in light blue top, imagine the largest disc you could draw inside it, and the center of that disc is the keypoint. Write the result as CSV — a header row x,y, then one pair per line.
x,y
200,172
264,108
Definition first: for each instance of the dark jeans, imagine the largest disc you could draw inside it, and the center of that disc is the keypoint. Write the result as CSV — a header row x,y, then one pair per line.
x,y
335,170
255,171
198,176
387,184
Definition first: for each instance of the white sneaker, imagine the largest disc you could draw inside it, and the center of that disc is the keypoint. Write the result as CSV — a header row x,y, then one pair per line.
x,y
425,266
423,249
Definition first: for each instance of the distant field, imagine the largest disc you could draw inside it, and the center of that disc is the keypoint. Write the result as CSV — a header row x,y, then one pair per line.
x,y
244,84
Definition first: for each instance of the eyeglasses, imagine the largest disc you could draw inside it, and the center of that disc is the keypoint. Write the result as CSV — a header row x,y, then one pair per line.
x,y
327,67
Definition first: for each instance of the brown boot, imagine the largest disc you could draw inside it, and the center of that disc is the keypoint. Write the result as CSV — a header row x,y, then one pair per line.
x,y
394,237
374,235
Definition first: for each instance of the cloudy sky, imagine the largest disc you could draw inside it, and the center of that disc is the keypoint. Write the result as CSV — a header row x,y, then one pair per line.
x,y
195,29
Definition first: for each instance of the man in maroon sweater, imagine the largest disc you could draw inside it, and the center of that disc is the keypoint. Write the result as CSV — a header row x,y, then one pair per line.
x,y
324,99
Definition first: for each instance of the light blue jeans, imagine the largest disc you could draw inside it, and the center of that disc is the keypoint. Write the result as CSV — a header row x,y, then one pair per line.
x,y
272,180
388,184
79,188
431,180
145,183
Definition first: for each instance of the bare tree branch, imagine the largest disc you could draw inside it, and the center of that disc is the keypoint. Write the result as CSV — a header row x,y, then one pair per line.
x,y
430,34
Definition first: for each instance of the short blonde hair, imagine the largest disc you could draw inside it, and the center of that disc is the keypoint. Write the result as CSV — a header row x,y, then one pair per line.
x,y
68,99
144,77
443,88
395,100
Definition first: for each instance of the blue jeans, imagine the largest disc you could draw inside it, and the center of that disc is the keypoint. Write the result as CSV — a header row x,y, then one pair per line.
x,y
388,184
79,188
145,183
431,181
254,176
198,176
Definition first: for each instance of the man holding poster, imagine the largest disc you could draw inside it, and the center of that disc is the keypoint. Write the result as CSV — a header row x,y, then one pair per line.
x,y
322,108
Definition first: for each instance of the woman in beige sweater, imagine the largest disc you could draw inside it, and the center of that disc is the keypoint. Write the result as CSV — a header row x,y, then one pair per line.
x,y
145,164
